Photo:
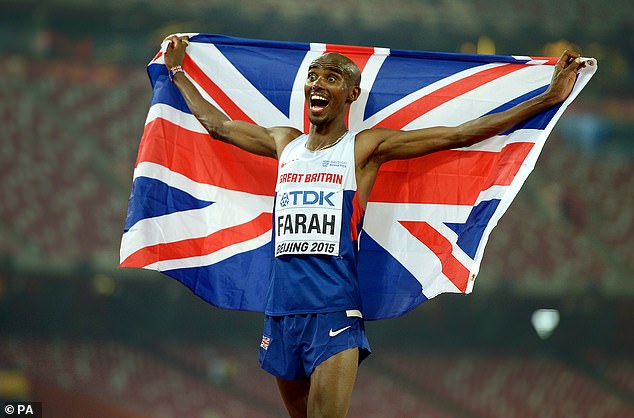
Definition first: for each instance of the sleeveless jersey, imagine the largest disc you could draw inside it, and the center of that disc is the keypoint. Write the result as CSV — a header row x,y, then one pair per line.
x,y
316,221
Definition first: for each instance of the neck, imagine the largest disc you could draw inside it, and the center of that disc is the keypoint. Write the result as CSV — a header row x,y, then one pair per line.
x,y
327,130
325,133
325,126
317,142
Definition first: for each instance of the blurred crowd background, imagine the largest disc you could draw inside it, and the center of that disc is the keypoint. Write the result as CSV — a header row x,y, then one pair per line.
x,y
548,331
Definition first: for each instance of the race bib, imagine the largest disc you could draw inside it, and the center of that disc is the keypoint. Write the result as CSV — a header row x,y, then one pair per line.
x,y
308,220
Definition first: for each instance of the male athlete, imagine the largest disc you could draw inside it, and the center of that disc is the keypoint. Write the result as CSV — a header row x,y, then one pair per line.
x,y
314,337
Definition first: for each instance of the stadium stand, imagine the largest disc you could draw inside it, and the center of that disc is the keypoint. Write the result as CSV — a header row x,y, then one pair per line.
x,y
207,380
122,375
508,385
620,371
226,365
616,371
557,227
375,396
72,132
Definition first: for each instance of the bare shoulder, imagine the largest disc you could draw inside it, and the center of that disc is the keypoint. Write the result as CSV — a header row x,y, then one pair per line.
x,y
374,134
368,141
371,138
283,135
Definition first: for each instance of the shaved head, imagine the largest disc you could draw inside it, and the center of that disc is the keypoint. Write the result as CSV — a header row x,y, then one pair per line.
x,y
341,64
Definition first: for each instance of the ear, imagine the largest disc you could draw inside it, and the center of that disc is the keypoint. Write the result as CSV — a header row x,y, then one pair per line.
x,y
354,94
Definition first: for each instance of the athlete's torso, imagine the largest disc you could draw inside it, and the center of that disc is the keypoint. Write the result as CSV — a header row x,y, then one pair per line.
x,y
316,222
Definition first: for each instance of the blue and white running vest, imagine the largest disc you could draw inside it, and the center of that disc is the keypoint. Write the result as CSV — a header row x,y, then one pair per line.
x,y
316,222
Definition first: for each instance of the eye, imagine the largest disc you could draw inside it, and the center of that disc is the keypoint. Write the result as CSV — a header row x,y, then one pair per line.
x,y
312,76
332,78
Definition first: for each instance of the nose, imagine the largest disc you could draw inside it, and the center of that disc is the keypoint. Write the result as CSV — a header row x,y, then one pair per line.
x,y
317,82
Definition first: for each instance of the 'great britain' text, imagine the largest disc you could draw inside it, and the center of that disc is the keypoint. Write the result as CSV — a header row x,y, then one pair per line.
x,y
311,178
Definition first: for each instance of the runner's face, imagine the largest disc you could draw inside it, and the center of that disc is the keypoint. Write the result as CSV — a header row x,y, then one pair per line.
x,y
326,92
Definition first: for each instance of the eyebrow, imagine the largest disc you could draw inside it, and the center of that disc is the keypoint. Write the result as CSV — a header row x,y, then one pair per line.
x,y
332,67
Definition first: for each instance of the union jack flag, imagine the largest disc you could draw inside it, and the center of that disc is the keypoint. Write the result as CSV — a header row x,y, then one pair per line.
x,y
200,210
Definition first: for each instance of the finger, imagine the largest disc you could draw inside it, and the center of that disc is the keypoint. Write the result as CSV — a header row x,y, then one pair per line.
x,y
170,41
566,58
577,64
574,67
181,40
563,59
573,56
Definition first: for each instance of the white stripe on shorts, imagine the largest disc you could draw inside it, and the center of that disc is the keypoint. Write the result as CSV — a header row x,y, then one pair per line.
x,y
354,313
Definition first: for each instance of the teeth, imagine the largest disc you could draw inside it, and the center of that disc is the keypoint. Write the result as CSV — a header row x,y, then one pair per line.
x,y
317,97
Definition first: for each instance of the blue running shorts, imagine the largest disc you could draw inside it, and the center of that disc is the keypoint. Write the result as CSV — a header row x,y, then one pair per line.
x,y
294,345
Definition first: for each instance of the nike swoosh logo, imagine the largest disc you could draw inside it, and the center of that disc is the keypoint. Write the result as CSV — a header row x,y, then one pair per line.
x,y
339,331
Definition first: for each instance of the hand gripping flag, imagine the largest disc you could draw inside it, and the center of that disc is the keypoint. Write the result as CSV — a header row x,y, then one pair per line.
x,y
201,210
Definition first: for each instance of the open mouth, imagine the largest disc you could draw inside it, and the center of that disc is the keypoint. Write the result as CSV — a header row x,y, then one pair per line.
x,y
318,102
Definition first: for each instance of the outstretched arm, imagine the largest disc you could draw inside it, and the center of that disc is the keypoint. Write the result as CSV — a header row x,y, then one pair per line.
x,y
384,144
268,142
